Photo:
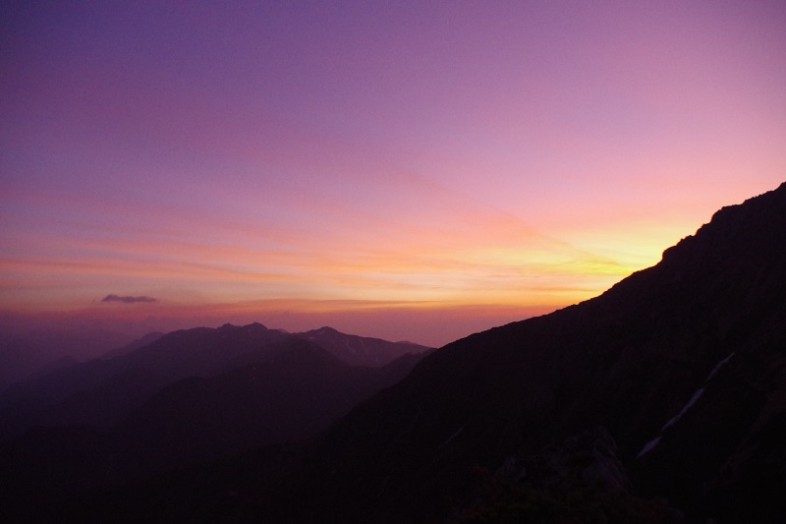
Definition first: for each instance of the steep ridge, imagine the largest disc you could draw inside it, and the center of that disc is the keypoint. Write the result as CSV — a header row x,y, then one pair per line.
x,y
629,360
549,419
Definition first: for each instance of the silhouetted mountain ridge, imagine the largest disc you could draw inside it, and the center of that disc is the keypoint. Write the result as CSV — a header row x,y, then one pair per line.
x,y
667,391
100,392
629,360
686,358
198,394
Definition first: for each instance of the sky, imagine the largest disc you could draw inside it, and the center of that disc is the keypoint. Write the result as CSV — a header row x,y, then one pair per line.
x,y
412,170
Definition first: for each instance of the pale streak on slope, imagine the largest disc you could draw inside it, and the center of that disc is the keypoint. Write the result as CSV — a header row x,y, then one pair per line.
x,y
653,443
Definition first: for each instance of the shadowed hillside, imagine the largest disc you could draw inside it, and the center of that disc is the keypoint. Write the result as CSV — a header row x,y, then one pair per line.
x,y
662,400
709,317
188,396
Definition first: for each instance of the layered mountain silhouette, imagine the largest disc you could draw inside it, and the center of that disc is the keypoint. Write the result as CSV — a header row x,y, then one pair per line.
x,y
101,392
26,350
662,400
295,393
190,395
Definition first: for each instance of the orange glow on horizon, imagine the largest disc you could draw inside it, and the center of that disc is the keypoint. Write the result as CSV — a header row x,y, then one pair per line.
x,y
508,157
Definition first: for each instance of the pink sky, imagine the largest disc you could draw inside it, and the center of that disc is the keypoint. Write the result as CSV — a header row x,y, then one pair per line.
x,y
413,170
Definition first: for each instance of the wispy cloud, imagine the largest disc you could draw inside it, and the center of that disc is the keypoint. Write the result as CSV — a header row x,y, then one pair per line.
x,y
127,299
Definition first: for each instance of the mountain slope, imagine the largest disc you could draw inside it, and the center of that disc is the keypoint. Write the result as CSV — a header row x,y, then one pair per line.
x,y
671,384
100,392
630,360
290,396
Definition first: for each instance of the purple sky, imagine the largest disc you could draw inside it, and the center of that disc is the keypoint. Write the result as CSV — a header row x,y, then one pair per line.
x,y
385,166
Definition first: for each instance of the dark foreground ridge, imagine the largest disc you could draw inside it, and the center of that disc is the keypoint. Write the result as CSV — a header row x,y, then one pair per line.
x,y
681,364
662,400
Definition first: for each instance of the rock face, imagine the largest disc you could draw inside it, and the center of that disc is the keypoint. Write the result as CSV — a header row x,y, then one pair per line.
x,y
581,479
588,459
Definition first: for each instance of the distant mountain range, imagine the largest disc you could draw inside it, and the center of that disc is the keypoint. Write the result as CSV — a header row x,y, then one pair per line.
x,y
29,346
662,400
100,392
168,400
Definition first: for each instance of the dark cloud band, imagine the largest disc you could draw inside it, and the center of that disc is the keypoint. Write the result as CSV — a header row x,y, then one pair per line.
x,y
127,299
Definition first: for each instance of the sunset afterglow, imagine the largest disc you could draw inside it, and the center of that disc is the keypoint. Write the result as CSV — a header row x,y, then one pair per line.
x,y
414,170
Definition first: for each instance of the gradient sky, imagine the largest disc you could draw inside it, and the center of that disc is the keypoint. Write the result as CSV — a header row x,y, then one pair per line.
x,y
414,170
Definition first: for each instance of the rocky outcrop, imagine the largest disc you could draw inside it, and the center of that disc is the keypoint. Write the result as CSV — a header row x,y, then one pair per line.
x,y
581,479
588,459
